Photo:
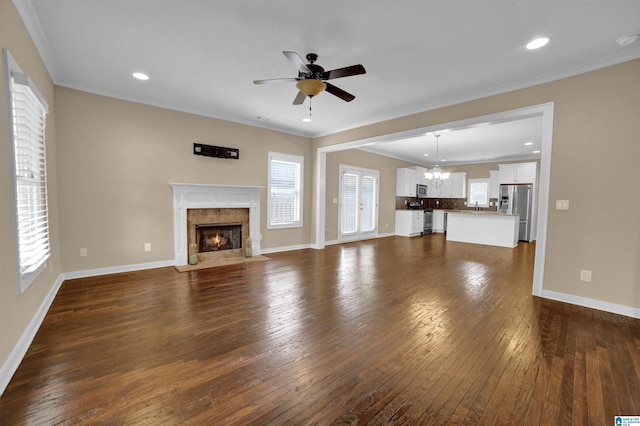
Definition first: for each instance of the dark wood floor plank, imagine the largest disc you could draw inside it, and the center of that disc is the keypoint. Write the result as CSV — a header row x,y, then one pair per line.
x,y
388,331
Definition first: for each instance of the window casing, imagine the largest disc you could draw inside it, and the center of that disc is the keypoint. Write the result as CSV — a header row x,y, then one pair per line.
x,y
478,193
27,111
284,194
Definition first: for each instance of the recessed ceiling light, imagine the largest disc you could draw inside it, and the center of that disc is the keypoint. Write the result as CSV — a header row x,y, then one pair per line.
x,y
628,39
537,43
528,143
141,76
536,152
426,155
307,120
443,160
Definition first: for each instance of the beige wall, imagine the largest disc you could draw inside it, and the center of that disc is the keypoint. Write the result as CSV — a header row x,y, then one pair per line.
x,y
16,312
387,187
596,128
117,158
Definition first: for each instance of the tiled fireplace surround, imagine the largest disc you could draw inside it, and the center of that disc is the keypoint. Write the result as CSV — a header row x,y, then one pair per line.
x,y
206,204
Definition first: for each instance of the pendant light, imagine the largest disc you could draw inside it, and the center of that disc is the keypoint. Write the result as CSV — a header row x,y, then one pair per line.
x,y
436,176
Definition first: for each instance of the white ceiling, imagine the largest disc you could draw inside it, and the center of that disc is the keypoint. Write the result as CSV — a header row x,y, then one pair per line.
x,y
202,56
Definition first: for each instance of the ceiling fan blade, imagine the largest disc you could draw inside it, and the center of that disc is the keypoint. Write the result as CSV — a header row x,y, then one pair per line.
x,y
297,62
345,96
343,72
275,80
300,97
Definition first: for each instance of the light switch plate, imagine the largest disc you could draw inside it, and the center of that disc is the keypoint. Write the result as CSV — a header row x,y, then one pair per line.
x,y
585,275
562,204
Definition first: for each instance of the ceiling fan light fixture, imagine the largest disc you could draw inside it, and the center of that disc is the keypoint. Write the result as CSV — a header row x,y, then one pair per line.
x,y
311,87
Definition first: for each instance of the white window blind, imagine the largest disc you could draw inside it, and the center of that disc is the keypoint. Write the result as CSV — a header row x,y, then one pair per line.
x,y
350,209
28,122
478,193
285,190
369,208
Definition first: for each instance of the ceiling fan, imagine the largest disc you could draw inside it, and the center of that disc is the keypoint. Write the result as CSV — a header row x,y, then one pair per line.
x,y
311,79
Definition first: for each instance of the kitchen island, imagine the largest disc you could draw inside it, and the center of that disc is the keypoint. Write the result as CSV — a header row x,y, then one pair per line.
x,y
483,227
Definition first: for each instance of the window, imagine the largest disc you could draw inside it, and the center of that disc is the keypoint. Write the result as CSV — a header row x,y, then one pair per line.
x,y
478,193
285,191
27,122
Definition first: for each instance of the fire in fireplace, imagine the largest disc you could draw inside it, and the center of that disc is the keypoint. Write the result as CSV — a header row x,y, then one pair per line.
x,y
218,237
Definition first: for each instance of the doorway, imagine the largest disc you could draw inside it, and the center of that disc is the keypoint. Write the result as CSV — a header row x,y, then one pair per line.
x,y
358,205
543,110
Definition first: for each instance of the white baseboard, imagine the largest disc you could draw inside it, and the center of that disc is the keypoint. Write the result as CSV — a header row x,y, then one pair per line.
x,y
20,349
117,269
285,248
614,308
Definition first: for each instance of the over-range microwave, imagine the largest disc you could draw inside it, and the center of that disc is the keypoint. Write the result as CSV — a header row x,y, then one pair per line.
x,y
422,191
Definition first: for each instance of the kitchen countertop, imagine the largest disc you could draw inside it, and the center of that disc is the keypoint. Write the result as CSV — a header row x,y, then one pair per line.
x,y
481,212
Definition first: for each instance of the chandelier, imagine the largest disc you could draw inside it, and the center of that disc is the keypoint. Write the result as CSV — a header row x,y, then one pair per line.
x,y
436,176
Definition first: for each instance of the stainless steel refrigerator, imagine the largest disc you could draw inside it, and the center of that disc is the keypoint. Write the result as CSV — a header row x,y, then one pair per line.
x,y
516,199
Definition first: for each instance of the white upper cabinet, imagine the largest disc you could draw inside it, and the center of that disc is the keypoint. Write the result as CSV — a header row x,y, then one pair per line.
x,y
518,173
494,183
405,182
458,185
454,187
420,171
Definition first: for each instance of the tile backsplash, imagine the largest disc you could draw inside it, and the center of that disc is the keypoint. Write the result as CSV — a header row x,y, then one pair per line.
x,y
440,203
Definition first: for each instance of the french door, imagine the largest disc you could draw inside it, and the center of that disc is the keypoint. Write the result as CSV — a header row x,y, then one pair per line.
x,y
358,209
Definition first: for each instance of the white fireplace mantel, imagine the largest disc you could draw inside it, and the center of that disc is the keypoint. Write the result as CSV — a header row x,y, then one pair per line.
x,y
206,196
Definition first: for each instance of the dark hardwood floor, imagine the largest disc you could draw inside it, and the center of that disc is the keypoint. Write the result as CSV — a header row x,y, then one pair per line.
x,y
390,331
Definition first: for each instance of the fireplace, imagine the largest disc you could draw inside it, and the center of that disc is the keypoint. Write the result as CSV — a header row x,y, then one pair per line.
x,y
216,233
207,204
218,237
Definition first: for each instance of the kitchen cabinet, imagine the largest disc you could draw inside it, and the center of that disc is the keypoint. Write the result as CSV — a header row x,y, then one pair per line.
x,y
420,171
438,221
409,222
494,183
405,182
455,186
433,191
518,173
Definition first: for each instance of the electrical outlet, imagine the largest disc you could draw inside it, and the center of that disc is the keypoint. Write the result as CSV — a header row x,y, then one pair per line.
x,y
562,204
147,247
83,252
585,275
